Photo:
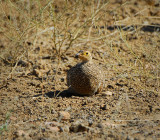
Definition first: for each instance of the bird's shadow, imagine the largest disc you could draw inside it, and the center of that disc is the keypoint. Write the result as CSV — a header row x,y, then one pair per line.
x,y
58,93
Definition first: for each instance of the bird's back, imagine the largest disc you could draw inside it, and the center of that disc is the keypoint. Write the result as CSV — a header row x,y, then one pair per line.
x,y
85,78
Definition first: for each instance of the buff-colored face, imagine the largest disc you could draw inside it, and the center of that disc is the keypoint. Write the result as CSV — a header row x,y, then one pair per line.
x,y
84,55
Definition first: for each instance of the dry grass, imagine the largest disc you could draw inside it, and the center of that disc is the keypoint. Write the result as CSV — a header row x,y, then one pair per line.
x,y
72,24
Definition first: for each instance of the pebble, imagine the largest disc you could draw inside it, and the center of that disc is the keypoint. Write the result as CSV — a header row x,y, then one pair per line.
x,y
111,124
107,93
64,115
53,126
55,129
78,128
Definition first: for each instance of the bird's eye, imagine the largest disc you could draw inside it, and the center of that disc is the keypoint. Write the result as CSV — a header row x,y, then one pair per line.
x,y
87,53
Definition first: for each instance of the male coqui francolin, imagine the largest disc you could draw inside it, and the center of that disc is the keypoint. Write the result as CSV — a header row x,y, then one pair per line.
x,y
85,78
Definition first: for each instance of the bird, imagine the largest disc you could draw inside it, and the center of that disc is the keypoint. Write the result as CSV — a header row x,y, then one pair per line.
x,y
85,78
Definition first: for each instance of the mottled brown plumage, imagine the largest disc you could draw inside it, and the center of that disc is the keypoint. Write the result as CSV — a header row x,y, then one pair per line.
x,y
85,78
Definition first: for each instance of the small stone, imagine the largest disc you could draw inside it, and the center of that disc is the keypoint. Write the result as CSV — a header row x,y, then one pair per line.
x,y
64,115
107,93
55,128
111,124
78,128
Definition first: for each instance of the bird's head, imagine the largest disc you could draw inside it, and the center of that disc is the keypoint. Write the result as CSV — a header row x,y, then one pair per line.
x,y
85,56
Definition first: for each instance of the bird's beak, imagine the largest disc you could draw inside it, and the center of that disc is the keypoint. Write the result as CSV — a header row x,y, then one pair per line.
x,y
76,56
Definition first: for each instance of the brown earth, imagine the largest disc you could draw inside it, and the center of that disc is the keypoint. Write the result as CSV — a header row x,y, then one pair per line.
x,y
38,41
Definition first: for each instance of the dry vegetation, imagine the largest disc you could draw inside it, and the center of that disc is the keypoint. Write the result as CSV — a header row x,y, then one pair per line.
x,y
38,40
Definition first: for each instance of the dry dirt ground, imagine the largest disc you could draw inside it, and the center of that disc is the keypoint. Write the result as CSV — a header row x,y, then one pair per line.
x,y
38,41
